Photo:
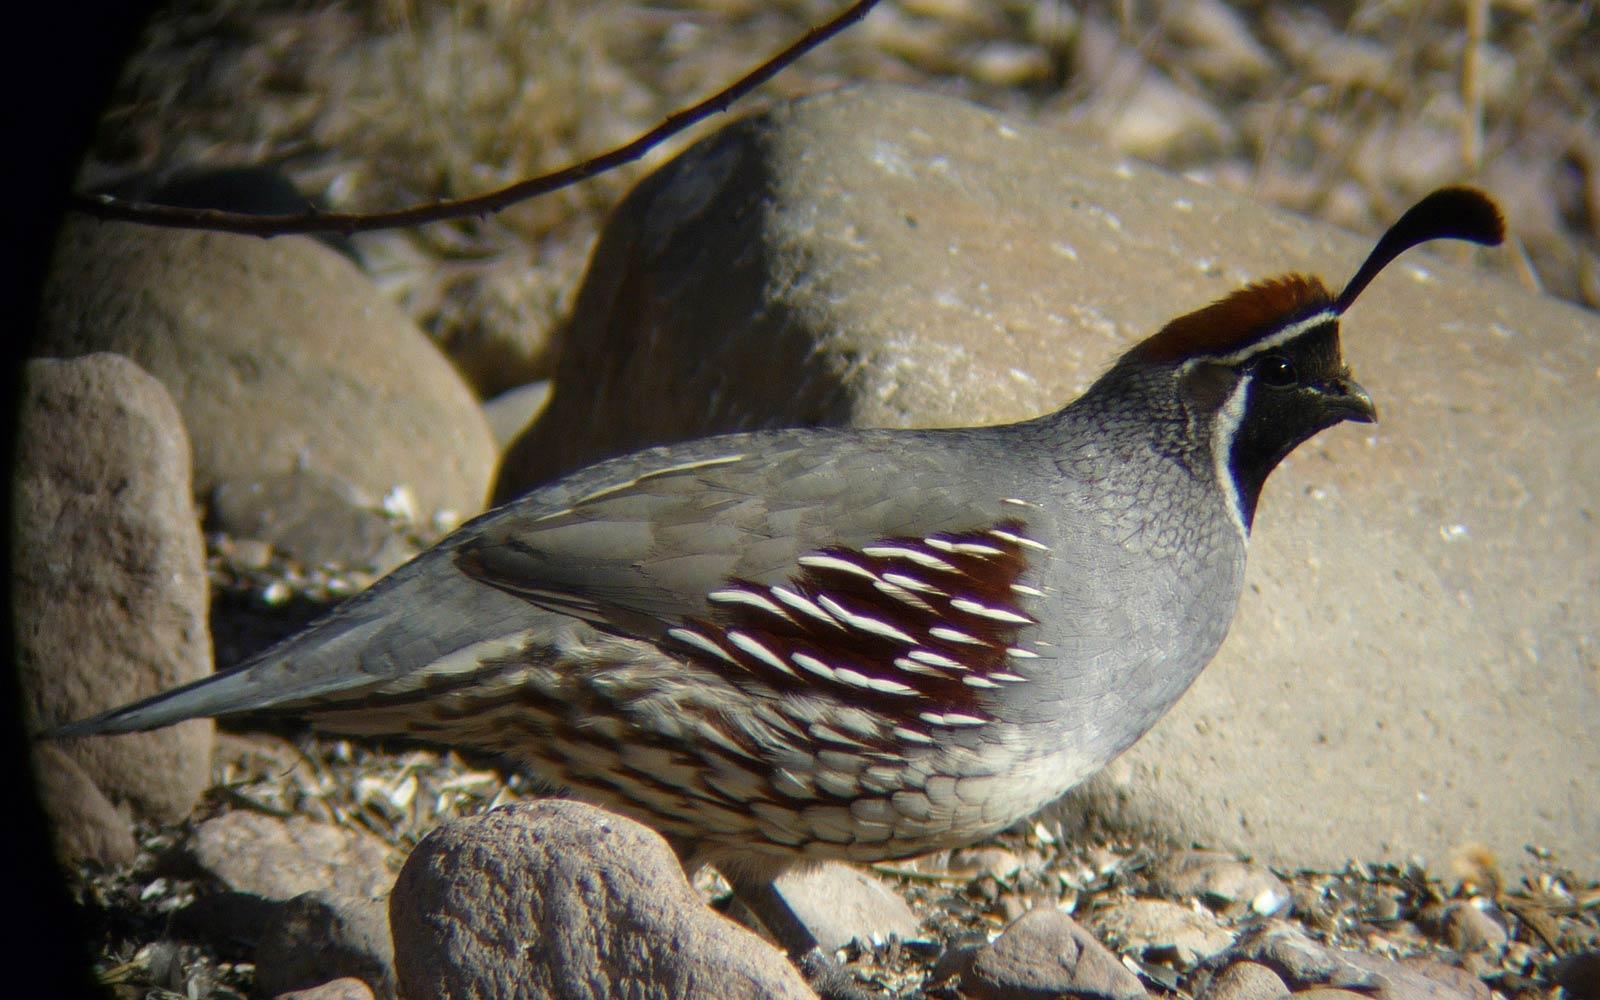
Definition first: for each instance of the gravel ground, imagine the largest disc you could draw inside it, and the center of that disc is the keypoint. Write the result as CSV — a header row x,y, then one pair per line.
x,y
1345,111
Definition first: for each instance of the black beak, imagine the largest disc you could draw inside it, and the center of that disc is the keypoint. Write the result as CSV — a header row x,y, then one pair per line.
x,y
1345,400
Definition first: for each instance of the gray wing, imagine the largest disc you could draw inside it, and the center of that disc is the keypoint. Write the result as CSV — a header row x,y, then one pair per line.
x,y
633,545
640,556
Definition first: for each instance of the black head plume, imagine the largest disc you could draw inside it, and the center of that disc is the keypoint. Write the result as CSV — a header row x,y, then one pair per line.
x,y
1452,213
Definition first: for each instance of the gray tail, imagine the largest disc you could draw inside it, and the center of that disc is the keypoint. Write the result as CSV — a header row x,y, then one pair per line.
x,y
411,620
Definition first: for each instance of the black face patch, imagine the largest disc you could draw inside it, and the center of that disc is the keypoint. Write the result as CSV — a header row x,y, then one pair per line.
x,y
1294,390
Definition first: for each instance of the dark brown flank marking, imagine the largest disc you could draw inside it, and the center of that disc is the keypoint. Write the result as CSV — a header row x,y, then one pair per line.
x,y
983,578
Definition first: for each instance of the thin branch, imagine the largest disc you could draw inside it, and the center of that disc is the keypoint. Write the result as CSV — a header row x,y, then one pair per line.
x,y
1472,86
108,207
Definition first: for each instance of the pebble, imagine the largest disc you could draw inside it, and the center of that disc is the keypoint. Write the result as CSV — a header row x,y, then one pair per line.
x,y
839,904
1045,954
1244,981
1468,928
1224,883
1162,931
108,585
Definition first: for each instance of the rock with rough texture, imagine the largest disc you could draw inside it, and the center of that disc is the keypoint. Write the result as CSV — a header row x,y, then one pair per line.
x,y
1045,953
1244,981
281,356
278,859
1160,929
558,898
108,585
1408,635
839,904
320,936
1223,882
1305,964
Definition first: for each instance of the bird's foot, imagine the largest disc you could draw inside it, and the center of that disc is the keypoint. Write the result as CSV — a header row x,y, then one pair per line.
x,y
831,980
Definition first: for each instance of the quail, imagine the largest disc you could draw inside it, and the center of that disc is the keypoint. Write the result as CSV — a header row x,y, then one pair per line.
x,y
829,643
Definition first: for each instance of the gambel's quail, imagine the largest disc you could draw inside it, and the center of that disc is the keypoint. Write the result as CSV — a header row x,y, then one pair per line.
x,y
842,643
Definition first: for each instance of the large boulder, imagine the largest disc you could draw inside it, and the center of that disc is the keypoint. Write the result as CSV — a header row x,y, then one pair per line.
x,y
1414,664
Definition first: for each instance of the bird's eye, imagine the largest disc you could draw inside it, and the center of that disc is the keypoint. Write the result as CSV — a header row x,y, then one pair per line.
x,y
1276,370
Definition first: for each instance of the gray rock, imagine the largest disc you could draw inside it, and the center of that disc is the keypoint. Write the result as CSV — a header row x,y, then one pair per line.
x,y
1244,981
1223,882
1045,953
1305,964
281,356
1161,930
278,859
558,898
514,409
339,989
839,904
320,936
1457,981
1469,929
895,258
316,519
108,585
1418,979
1298,960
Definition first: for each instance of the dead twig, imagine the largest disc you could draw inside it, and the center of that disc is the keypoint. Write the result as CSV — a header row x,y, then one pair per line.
x,y
111,208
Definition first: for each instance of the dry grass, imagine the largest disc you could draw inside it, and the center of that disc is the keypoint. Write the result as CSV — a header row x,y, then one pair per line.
x,y
1347,112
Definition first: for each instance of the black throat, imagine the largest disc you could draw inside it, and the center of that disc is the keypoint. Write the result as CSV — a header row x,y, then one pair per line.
x,y
1266,425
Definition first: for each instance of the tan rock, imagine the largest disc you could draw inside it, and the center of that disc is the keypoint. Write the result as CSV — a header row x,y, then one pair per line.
x,y
281,356
1244,981
558,898
1162,928
279,859
108,583
1045,953
839,904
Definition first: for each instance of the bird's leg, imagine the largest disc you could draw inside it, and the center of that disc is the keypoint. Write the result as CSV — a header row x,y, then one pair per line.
x,y
831,980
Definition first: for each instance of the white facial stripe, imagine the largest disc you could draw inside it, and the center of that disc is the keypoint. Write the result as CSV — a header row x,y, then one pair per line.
x,y
1278,339
1227,426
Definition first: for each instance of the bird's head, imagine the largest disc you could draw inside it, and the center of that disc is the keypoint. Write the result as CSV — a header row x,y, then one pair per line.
x,y
1260,371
